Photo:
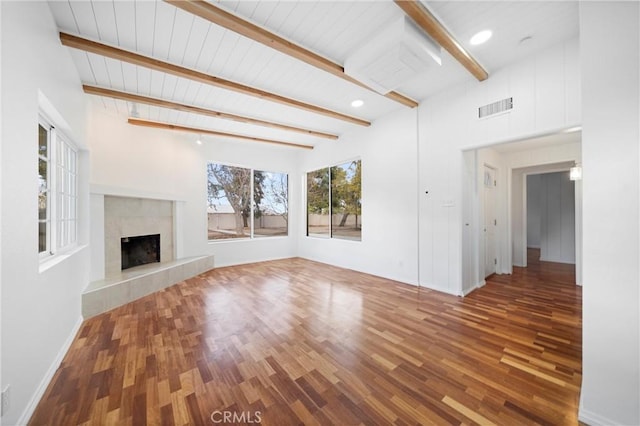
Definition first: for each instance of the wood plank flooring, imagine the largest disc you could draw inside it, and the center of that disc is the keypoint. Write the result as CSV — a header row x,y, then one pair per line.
x,y
297,342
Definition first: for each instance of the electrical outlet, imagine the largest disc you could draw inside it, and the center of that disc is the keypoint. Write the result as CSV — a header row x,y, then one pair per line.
x,y
5,400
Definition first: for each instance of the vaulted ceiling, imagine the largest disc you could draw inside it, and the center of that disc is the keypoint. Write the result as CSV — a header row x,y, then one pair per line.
x,y
157,62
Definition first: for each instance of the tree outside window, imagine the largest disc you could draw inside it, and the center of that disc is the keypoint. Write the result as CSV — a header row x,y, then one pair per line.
x,y
235,192
334,201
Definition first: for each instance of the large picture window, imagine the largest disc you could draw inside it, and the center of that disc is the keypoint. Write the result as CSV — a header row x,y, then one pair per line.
x,y
334,201
246,203
57,191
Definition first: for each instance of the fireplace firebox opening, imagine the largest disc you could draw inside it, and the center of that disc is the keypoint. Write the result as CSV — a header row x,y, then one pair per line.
x,y
140,250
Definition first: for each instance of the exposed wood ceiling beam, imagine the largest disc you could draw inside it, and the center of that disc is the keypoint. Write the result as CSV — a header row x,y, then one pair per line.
x,y
232,22
425,20
77,42
130,97
169,126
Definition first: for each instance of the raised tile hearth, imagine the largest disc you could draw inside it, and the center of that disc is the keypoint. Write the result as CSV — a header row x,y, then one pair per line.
x,y
126,286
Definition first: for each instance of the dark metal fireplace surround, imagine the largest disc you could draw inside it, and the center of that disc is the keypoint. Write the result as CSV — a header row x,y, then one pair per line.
x,y
140,250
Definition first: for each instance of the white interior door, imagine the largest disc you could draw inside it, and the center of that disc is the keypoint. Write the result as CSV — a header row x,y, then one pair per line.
x,y
490,221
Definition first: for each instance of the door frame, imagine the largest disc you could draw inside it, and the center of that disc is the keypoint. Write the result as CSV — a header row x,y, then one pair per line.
x,y
484,234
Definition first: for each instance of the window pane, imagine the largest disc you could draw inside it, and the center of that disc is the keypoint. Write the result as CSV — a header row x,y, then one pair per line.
x,y
42,237
72,163
43,176
59,180
318,203
42,141
60,232
270,195
42,189
60,207
73,212
346,217
61,159
229,202
73,231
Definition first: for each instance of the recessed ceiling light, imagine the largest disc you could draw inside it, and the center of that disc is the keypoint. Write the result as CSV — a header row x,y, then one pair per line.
x,y
357,103
481,37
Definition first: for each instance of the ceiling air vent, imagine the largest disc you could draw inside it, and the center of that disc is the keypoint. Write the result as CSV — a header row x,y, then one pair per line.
x,y
392,56
495,108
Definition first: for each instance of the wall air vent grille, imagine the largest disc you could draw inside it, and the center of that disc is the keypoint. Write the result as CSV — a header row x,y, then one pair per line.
x,y
495,108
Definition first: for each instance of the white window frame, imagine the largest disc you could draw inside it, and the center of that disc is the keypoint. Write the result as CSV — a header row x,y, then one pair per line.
x,y
306,205
47,219
252,206
62,191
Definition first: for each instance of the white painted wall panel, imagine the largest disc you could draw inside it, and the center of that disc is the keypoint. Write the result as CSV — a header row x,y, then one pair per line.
x,y
573,97
550,107
533,211
557,220
522,84
40,310
611,187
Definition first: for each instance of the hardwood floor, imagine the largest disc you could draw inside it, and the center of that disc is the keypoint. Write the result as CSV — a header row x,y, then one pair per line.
x,y
298,342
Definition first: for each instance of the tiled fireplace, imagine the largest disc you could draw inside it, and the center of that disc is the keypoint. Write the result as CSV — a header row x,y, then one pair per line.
x,y
139,252
127,219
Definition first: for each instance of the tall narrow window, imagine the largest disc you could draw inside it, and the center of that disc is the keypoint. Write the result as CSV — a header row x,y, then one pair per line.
x,y
246,203
271,204
318,202
57,191
66,193
229,201
334,202
44,220
346,190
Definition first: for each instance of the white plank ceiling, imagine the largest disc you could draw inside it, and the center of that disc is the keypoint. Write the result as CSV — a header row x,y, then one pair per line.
x,y
334,29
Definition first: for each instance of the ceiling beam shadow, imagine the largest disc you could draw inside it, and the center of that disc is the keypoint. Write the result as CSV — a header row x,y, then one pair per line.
x,y
220,17
425,20
131,97
98,48
169,126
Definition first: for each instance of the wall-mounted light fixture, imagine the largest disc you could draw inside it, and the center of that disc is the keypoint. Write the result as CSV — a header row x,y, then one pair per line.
x,y
575,172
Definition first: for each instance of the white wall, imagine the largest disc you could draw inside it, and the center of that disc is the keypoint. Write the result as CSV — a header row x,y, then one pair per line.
x,y
610,62
40,310
533,211
557,225
1,236
389,199
152,163
545,89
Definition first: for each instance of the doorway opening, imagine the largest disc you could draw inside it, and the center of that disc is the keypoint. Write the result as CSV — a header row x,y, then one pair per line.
x,y
495,216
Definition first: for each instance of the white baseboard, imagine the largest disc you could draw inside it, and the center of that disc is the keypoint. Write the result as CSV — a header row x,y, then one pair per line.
x,y
569,262
593,419
44,383
475,287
